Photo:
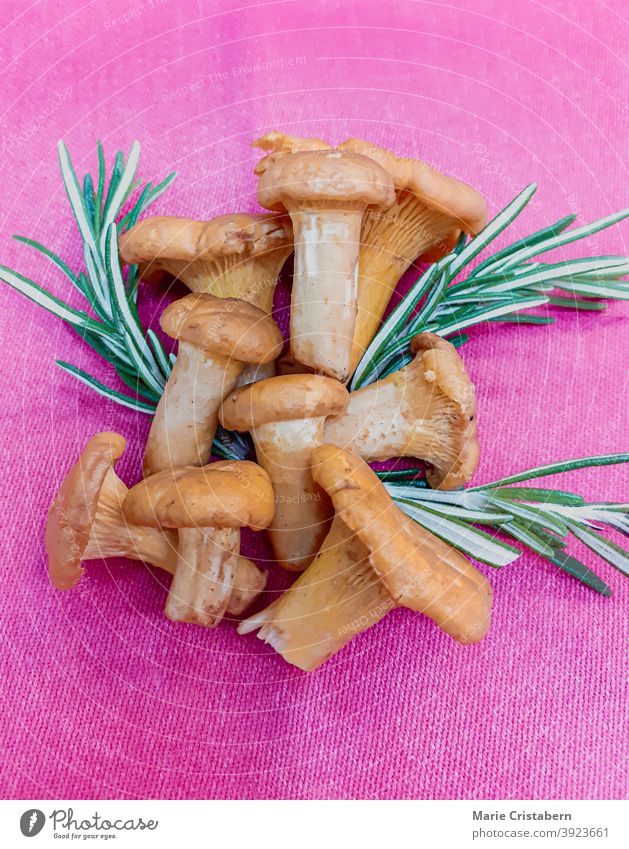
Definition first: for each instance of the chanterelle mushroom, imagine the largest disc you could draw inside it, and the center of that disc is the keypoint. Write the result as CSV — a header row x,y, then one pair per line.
x,y
429,213
208,506
217,338
232,256
71,514
285,416
374,559
425,410
326,194
89,503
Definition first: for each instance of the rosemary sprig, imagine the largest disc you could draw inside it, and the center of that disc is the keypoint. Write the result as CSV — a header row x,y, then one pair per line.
x,y
498,289
540,520
112,327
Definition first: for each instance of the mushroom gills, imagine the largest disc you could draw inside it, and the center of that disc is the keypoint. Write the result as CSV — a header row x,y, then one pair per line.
x,y
391,241
205,575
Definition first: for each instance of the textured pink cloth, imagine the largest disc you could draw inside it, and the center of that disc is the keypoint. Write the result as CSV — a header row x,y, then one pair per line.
x,y
101,696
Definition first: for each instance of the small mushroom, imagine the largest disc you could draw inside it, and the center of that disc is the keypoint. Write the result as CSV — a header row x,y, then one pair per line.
x,y
430,212
71,514
326,194
374,559
285,416
85,522
232,256
217,338
425,410
207,506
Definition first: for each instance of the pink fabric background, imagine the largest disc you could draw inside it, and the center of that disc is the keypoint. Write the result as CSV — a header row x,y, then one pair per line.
x,y
102,697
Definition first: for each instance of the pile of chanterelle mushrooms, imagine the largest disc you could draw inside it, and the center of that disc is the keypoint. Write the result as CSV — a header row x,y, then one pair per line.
x,y
356,217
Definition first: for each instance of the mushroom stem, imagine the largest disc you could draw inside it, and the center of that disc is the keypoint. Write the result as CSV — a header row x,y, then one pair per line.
x,y
190,403
336,598
302,510
205,574
325,289
112,536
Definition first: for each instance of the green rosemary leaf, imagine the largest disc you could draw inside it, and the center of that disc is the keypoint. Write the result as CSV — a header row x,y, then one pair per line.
x,y
106,391
414,476
605,548
555,469
593,290
523,533
230,445
493,228
523,318
160,354
432,301
107,347
580,571
546,496
604,267
139,350
49,302
462,497
144,202
610,505
481,517
100,302
539,236
532,515
616,520
482,315
114,203
101,187
90,201
463,536
577,303
567,237
132,216
77,201
56,260
160,188
114,181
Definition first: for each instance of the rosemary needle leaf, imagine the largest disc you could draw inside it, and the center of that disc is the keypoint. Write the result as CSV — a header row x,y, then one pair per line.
x,y
546,496
555,469
522,532
553,230
493,228
105,391
61,265
580,571
576,303
605,548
